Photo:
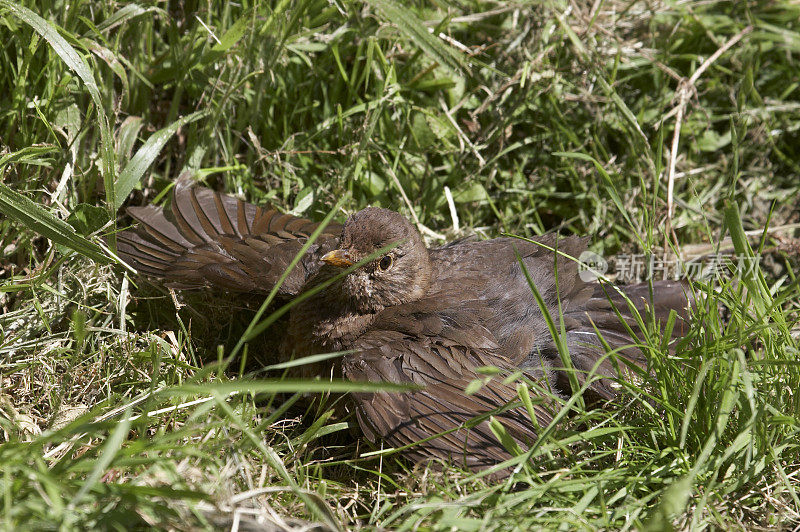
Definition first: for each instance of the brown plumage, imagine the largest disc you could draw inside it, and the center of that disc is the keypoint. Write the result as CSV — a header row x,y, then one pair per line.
x,y
430,317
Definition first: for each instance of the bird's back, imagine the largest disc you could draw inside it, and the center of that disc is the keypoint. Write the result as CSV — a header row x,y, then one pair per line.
x,y
491,271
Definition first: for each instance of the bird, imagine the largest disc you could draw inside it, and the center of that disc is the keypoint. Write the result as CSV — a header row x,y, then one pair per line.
x,y
433,318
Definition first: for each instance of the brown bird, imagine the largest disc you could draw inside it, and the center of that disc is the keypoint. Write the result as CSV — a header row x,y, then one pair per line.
x,y
411,314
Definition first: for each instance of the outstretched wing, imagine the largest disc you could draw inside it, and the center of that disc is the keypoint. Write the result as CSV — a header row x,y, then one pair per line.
x,y
441,351
205,238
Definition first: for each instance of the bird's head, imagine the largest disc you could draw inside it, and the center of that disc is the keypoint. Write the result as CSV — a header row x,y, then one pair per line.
x,y
392,277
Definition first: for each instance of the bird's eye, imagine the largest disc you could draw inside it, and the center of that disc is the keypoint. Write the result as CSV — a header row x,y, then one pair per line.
x,y
385,263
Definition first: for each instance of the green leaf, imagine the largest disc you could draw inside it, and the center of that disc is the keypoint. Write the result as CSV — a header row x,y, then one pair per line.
x,y
673,501
304,200
229,38
372,182
126,136
421,132
416,30
110,449
86,219
234,33
28,155
473,387
311,359
111,60
472,193
68,119
125,14
713,141
504,437
139,163
38,219
624,109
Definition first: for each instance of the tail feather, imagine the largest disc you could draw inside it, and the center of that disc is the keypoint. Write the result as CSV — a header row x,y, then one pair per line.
x,y
602,313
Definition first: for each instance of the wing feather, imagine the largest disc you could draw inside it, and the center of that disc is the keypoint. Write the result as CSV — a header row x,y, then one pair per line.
x,y
205,238
441,351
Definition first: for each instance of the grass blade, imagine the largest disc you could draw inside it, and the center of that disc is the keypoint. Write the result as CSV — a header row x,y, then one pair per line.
x,y
77,64
416,30
143,158
38,219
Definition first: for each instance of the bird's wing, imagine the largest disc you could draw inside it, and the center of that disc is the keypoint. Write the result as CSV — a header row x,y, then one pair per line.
x,y
205,238
439,350
491,271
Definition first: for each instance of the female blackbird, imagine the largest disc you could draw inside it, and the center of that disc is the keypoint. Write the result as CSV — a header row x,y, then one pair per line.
x,y
411,314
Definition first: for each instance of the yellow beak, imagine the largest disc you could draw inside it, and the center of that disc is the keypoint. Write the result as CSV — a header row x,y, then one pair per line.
x,y
339,258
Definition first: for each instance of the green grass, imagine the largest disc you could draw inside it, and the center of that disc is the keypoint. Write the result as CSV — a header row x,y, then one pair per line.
x,y
118,410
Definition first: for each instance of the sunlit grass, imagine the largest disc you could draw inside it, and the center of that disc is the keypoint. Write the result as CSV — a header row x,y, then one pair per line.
x,y
118,409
